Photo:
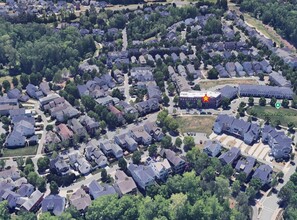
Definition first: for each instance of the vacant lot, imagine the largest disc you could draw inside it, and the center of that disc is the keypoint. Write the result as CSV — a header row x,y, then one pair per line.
x,y
283,115
31,150
211,83
196,124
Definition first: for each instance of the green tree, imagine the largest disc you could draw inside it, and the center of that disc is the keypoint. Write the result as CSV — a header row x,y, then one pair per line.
x,y
178,142
15,81
166,142
24,80
256,184
20,162
4,214
273,101
213,74
165,100
6,85
251,101
262,101
225,103
189,142
122,164
43,163
235,188
176,100
104,175
54,188
227,171
117,93
136,157
24,215
285,103
49,127
222,188
152,149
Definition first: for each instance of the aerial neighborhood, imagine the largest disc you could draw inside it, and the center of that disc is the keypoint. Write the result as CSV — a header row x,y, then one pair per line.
x,y
133,110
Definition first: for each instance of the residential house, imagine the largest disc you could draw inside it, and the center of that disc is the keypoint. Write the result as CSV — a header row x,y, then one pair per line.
x,y
127,108
265,91
230,156
119,115
142,74
192,73
77,127
280,144
24,128
279,80
177,163
246,165
12,173
111,149
212,148
144,176
152,129
263,173
79,163
93,153
80,200
140,135
231,69
44,87
54,204
228,92
162,169
148,106
33,202
25,190
96,190
125,141
15,140
34,92
59,165
154,92
64,132
266,67
247,131
239,69
124,184
248,68
90,124
222,71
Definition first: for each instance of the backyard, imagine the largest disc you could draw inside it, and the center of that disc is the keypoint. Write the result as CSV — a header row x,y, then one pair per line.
x,y
283,115
199,124
30,150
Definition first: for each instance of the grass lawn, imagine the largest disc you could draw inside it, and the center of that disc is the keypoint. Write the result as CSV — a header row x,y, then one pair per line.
x,y
31,150
211,83
283,115
197,123
261,28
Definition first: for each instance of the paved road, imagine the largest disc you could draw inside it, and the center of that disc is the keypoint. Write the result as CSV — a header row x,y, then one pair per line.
x,y
269,204
44,120
125,39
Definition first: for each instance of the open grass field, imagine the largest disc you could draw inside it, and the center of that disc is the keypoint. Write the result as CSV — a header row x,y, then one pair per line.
x,y
31,150
197,123
211,83
283,115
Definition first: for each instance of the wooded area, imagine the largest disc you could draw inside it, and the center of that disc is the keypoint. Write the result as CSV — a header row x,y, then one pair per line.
x,y
282,16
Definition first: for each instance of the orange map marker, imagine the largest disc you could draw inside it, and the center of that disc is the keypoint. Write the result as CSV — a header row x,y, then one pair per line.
x,y
205,98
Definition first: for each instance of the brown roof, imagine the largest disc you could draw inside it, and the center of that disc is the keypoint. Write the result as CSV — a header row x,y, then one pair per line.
x,y
80,199
64,131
